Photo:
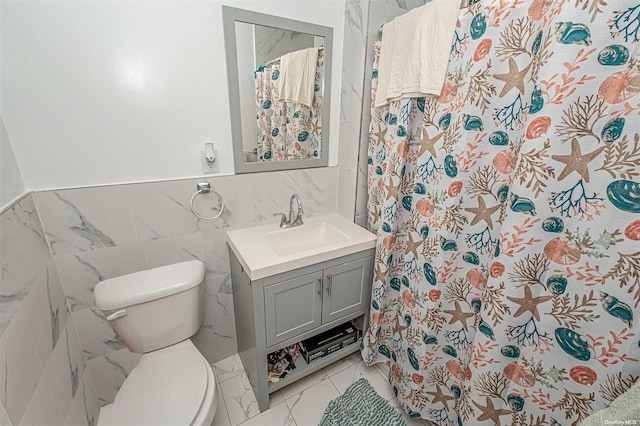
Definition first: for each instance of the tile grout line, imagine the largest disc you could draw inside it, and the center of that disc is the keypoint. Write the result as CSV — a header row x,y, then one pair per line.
x,y
221,393
224,404
287,402
334,385
326,376
290,408
284,401
229,378
225,400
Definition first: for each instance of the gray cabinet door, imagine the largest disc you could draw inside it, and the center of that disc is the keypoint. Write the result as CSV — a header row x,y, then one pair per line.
x,y
292,307
346,288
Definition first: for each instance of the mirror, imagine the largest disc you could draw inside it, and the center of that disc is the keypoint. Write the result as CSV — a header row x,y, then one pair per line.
x,y
279,78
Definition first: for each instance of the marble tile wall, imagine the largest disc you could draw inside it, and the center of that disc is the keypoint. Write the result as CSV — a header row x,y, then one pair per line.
x,y
271,43
353,69
103,232
42,366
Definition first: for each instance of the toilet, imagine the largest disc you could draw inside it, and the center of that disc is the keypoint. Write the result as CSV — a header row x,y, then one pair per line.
x,y
155,312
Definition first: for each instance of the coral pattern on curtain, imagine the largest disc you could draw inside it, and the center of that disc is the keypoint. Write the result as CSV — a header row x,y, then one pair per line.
x,y
287,130
507,274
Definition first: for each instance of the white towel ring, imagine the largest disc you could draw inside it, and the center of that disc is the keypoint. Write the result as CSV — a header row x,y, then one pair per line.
x,y
204,188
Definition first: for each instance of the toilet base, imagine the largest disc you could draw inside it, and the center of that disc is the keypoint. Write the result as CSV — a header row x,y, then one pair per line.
x,y
106,414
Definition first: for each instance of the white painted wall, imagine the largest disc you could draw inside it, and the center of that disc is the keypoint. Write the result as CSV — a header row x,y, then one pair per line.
x,y
11,185
103,92
246,82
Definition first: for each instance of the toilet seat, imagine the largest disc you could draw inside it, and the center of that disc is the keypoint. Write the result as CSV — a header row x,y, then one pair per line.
x,y
170,386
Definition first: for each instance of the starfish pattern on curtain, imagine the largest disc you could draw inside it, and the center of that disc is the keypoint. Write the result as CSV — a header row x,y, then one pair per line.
x,y
507,272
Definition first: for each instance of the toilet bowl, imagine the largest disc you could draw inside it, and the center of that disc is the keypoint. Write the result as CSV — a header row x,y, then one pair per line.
x,y
155,312
171,386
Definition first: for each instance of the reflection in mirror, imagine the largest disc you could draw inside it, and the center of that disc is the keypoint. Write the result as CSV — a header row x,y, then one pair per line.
x,y
279,88
286,80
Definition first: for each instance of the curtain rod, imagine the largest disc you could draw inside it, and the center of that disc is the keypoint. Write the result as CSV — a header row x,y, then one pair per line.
x,y
273,61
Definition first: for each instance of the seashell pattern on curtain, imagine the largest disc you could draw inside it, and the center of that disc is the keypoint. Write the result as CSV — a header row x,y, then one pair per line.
x,y
287,130
507,274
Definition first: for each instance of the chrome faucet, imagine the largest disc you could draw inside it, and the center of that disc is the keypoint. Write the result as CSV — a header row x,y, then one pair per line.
x,y
284,223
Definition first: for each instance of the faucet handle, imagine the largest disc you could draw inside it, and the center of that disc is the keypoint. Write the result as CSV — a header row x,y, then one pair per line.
x,y
283,221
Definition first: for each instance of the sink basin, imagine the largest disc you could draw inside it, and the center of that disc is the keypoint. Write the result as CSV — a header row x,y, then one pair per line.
x,y
303,238
268,250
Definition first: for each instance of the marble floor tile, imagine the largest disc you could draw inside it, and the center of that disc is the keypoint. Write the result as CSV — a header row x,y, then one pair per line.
x,y
239,398
304,383
307,407
301,403
222,417
346,362
275,416
228,368
275,398
350,375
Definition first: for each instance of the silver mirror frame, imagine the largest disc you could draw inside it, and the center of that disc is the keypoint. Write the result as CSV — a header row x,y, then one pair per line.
x,y
229,17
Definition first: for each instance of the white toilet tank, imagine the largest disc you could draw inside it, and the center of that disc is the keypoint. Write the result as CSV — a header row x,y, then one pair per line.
x,y
155,308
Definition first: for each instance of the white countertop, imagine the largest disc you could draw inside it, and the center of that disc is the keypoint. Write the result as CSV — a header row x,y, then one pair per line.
x,y
252,248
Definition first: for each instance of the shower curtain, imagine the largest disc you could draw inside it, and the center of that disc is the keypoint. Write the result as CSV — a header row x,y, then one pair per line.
x,y
507,271
287,130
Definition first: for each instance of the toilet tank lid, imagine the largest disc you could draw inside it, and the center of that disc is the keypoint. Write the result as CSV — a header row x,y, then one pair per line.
x,y
151,284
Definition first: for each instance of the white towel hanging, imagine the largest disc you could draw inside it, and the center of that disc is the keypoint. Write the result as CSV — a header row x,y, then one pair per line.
x,y
297,76
414,52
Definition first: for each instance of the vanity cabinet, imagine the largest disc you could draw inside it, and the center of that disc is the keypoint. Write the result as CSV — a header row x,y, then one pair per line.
x,y
279,310
292,307
304,303
346,289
